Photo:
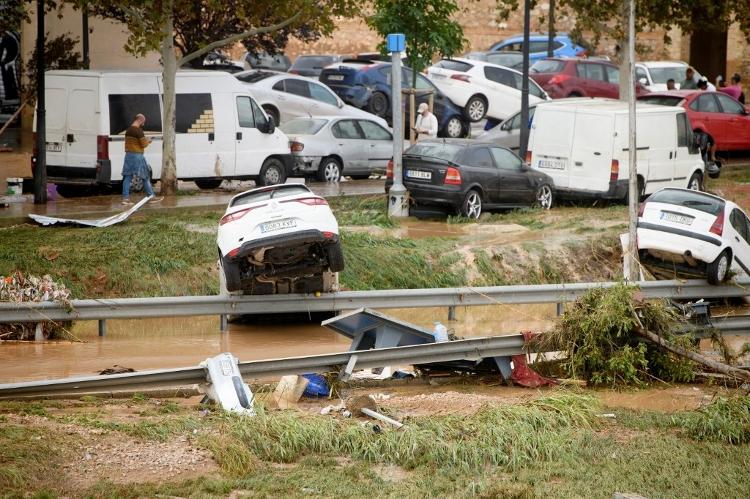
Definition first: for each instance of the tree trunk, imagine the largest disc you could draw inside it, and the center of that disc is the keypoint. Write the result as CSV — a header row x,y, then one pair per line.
x,y
695,357
169,75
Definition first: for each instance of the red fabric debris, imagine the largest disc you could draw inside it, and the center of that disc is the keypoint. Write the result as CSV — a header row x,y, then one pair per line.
x,y
524,375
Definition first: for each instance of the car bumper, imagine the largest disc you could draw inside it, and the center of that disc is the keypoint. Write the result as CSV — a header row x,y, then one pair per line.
x,y
63,175
306,164
284,240
678,245
435,195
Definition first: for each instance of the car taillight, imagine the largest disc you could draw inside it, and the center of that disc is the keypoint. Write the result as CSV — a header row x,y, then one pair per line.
x,y
641,209
528,157
558,79
328,235
461,77
233,253
452,176
614,171
718,225
308,201
296,146
293,71
102,147
389,170
236,215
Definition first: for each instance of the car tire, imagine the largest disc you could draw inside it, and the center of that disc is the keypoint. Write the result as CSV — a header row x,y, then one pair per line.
x,y
231,272
208,183
454,128
472,205
273,113
329,170
718,270
476,108
545,197
272,172
378,104
696,182
575,94
335,257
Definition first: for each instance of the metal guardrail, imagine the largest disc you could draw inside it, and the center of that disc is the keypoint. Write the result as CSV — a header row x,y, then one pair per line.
x,y
141,308
471,349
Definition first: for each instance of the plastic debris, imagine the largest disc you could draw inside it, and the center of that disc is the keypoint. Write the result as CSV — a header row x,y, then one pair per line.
x,y
226,387
316,386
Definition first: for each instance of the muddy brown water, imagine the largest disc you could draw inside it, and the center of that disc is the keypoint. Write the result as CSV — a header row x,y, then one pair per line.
x,y
184,342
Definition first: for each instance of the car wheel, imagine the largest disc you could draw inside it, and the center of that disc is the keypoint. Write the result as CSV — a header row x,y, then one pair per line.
x,y
335,257
378,104
454,128
273,172
717,271
696,182
231,274
273,113
575,94
208,183
329,170
545,197
472,205
476,108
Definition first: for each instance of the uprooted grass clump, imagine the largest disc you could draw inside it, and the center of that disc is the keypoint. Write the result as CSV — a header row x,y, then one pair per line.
x,y
725,420
598,337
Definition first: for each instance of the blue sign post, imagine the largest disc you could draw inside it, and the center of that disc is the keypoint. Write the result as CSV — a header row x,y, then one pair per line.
x,y
398,204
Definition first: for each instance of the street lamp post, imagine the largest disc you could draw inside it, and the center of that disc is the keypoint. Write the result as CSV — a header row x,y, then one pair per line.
x,y
398,195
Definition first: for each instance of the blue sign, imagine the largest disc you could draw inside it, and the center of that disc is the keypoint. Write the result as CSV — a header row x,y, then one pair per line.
x,y
396,42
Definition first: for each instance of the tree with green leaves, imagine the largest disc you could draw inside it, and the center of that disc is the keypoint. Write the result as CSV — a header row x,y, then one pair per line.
x,y
428,25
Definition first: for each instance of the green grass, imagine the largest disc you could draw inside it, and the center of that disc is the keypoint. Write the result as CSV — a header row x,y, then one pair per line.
x,y
361,210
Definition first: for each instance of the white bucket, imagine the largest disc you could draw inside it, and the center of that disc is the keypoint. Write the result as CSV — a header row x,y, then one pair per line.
x,y
15,186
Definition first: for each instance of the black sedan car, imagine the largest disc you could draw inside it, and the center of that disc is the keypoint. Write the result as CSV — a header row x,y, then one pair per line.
x,y
467,176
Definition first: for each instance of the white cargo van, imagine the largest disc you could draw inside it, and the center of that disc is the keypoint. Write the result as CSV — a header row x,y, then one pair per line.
x,y
222,133
583,146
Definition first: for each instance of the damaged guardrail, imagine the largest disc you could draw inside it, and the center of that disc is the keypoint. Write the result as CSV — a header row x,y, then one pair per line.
x,y
142,308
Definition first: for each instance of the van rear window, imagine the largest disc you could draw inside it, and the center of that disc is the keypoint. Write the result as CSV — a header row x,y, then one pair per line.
x,y
124,107
688,199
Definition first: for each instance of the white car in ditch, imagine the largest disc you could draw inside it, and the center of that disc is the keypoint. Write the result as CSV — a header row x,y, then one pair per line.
x,y
693,233
279,239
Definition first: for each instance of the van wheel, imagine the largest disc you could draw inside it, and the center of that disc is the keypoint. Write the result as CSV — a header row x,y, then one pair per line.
x,y
273,113
718,270
208,183
329,170
472,205
476,108
378,104
696,182
273,172
545,197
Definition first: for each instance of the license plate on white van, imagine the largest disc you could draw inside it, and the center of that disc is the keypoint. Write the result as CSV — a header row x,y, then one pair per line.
x,y
419,174
54,147
676,217
287,223
552,164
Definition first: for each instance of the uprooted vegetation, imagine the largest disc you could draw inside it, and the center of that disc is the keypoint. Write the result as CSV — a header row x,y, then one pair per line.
x,y
20,289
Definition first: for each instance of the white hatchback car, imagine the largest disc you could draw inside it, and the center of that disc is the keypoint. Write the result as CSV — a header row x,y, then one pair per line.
x,y
481,88
654,74
693,232
279,239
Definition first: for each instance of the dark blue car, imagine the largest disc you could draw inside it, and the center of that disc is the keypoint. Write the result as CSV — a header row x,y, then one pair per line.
x,y
367,85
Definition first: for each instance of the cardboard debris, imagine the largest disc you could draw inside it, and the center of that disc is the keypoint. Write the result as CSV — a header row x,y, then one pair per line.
x,y
101,222
289,391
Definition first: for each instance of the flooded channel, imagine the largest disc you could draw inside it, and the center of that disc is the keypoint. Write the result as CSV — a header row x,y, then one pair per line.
x,y
183,342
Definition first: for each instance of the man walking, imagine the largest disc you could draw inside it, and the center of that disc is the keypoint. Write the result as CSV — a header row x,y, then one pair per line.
x,y
426,124
135,164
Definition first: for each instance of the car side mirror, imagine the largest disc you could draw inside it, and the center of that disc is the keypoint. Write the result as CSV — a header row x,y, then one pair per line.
x,y
269,126
643,81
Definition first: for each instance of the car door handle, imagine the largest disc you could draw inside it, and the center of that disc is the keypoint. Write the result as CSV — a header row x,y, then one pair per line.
x,y
597,154
239,135
579,163
670,154
70,138
342,145
736,238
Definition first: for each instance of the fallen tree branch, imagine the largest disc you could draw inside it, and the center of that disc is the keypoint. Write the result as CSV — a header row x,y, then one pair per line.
x,y
719,367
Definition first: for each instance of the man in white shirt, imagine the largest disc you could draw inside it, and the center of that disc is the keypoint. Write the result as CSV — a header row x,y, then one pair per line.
x,y
426,124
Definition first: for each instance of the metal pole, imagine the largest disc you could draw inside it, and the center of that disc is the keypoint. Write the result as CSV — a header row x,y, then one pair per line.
x,y
451,313
85,34
397,196
551,29
224,323
633,194
40,166
102,327
525,84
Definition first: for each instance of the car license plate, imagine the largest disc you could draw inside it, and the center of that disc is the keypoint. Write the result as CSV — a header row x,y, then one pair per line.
x,y
54,146
676,217
287,223
336,77
419,174
551,164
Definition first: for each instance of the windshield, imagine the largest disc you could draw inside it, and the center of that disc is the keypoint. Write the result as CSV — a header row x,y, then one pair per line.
x,y
507,60
661,100
312,62
547,66
303,126
277,192
438,150
676,73
688,199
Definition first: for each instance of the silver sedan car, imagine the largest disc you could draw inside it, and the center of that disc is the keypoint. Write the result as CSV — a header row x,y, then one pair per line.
x,y
328,147
286,96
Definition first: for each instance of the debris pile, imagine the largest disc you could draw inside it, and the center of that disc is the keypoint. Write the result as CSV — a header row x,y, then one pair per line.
x,y
20,288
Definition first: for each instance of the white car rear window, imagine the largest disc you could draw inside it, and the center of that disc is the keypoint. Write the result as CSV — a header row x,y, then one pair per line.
x,y
688,199
303,126
281,191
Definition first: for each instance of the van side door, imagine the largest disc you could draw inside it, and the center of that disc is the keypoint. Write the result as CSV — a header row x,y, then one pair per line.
x,y
252,146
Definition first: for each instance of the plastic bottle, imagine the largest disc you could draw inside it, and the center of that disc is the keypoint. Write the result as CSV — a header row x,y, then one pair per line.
x,y
440,332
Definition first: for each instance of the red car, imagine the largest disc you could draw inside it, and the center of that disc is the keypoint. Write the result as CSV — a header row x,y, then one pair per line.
x,y
721,117
564,77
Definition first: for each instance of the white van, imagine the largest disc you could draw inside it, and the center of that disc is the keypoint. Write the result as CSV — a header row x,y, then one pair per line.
x,y
222,133
583,146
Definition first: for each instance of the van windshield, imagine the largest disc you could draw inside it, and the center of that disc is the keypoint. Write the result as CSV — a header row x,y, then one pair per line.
x,y
303,126
689,199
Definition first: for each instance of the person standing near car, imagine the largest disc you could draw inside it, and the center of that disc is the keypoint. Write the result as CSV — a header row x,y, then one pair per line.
x,y
670,84
689,82
426,124
734,90
135,163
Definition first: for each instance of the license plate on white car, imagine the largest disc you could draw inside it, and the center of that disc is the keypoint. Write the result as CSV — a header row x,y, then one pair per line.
x,y
287,223
54,146
676,217
336,77
552,164
419,174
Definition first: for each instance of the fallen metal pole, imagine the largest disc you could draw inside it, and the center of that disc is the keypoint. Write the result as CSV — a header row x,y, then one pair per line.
x,y
142,308
472,349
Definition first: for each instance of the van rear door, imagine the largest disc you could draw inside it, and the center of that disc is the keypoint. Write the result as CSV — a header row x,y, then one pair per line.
x,y
591,156
550,143
83,122
56,104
